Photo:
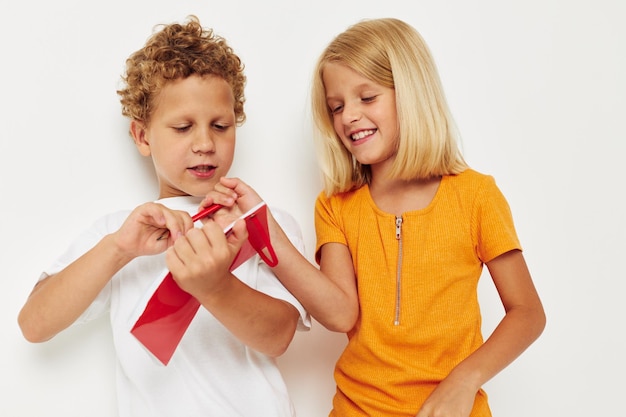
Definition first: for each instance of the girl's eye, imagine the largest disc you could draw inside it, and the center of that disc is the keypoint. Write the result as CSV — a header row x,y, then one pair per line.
x,y
368,99
335,109
182,129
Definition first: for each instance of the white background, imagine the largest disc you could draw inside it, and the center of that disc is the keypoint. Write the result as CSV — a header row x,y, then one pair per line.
x,y
537,87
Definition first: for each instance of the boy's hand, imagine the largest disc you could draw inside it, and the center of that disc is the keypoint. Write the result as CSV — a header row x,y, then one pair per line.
x,y
139,234
200,260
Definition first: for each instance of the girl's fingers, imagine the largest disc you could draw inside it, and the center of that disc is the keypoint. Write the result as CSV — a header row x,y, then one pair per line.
x,y
218,197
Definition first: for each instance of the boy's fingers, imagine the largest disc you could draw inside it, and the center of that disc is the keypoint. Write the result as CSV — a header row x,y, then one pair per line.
x,y
239,235
177,223
213,233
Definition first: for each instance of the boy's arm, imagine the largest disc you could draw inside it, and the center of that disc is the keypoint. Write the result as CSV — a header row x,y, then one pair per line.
x,y
200,261
263,323
58,300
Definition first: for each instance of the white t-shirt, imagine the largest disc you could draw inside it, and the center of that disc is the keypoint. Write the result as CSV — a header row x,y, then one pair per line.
x,y
211,372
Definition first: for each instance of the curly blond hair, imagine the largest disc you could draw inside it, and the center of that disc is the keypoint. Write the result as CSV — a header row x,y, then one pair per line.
x,y
177,51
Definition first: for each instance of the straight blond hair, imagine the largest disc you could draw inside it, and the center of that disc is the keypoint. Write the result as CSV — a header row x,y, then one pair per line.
x,y
393,54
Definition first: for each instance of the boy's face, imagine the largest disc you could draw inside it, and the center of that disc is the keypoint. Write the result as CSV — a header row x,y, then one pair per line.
x,y
191,135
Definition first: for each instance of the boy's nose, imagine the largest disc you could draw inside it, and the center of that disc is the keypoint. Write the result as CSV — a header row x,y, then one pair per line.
x,y
203,142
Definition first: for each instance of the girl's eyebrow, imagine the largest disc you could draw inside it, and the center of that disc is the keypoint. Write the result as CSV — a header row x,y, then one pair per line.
x,y
359,87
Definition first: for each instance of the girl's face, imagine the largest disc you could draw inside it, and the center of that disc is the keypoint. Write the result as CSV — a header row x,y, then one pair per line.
x,y
364,115
190,136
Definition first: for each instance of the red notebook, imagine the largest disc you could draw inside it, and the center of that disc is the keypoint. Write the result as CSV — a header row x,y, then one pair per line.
x,y
169,310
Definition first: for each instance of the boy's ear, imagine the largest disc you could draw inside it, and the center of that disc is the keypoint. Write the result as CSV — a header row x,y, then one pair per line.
x,y
138,132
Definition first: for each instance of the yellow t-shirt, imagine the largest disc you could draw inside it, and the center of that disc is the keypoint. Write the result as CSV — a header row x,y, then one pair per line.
x,y
417,284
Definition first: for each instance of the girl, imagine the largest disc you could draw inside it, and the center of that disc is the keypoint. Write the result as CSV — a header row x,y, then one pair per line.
x,y
404,228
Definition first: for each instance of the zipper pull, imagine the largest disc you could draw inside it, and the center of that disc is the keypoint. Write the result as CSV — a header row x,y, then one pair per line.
x,y
398,227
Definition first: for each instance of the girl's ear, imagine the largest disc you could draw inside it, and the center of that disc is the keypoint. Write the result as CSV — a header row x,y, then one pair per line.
x,y
138,132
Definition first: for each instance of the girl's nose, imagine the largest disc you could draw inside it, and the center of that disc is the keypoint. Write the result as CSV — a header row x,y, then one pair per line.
x,y
351,114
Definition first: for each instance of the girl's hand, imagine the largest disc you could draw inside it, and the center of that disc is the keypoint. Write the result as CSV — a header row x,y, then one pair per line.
x,y
231,191
200,260
236,197
451,398
145,230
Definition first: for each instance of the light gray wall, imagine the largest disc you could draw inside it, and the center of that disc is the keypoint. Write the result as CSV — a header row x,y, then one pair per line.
x,y
537,88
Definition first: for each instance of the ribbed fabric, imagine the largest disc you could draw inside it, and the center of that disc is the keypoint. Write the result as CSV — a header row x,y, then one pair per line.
x,y
389,369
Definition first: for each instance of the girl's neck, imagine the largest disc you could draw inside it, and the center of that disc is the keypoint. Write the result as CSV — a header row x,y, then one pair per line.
x,y
399,196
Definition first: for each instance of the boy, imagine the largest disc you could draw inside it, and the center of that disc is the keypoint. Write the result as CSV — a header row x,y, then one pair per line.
x,y
184,96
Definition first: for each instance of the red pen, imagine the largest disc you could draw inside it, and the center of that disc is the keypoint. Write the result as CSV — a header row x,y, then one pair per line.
x,y
205,212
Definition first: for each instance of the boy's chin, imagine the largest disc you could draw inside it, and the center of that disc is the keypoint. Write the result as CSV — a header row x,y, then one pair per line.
x,y
198,192
202,191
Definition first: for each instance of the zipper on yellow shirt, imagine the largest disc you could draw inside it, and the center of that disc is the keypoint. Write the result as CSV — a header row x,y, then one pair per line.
x,y
396,321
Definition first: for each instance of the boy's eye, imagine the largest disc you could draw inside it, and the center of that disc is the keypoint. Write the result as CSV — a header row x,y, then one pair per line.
x,y
182,129
220,126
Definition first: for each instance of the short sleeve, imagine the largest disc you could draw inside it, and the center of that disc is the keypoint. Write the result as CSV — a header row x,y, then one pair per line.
x,y
83,243
327,224
494,227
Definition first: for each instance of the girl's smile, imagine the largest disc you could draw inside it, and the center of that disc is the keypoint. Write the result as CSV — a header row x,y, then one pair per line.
x,y
364,115
362,134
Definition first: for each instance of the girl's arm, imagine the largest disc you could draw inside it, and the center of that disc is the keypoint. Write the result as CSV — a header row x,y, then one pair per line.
x,y
521,326
58,300
329,293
